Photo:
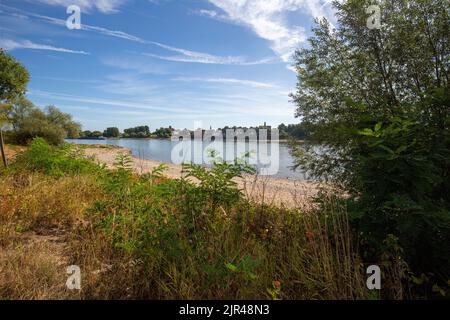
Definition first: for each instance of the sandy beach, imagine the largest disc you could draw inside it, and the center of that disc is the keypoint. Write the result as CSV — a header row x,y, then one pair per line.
x,y
262,189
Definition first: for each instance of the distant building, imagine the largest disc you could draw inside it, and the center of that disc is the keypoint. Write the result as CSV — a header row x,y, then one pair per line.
x,y
265,126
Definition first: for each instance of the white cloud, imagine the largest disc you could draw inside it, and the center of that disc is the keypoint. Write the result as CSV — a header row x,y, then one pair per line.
x,y
254,84
142,105
104,6
8,44
210,59
185,55
268,19
128,85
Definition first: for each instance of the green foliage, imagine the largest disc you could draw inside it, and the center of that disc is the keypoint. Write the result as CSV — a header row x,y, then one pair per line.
x,y
124,162
293,131
162,238
178,246
404,177
164,133
55,161
13,78
63,120
91,134
52,125
37,125
112,132
355,75
377,105
137,132
156,173
219,182
28,122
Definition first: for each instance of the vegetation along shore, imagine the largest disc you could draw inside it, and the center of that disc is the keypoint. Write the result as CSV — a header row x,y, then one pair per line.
x,y
374,107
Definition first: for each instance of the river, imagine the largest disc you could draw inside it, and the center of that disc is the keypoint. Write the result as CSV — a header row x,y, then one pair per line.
x,y
272,157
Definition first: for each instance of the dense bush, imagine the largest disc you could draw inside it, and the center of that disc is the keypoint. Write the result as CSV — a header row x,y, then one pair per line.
x,y
403,168
202,240
376,101
37,126
29,122
150,237
55,161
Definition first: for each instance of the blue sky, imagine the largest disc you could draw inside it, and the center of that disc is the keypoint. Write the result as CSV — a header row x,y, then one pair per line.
x,y
162,62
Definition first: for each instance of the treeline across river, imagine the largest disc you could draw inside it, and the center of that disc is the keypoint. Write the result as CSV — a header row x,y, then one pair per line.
x,y
285,132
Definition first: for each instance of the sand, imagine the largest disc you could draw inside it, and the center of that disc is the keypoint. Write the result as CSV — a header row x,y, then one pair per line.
x,y
290,193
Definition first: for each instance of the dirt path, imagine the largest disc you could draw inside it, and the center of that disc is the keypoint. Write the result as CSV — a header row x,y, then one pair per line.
x,y
264,189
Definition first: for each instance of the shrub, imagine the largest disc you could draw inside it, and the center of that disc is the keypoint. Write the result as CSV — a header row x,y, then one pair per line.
x,y
31,128
55,161
219,182
181,239
403,170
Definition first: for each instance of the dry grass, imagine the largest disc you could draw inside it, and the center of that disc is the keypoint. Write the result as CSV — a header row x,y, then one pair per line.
x,y
49,223
33,268
36,202
37,216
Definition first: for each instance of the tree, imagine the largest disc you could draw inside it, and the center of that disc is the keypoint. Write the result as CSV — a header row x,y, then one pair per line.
x,y
164,133
293,131
29,122
13,83
137,132
26,119
13,78
354,77
20,108
96,134
65,121
111,132
36,124
377,101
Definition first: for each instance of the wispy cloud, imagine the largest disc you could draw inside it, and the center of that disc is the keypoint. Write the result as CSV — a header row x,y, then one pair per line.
x,y
184,54
8,44
138,65
254,84
211,59
269,19
128,85
104,6
107,102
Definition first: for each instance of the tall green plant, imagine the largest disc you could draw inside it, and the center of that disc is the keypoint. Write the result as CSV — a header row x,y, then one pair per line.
x,y
376,101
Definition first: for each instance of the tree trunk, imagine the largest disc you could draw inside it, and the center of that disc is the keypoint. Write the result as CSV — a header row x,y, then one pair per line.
x,y
2,149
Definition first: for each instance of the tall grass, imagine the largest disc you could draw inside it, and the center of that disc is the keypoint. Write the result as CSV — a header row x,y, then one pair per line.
x,y
148,237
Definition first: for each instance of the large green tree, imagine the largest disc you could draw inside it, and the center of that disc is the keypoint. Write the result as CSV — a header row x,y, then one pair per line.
x,y
112,132
65,121
352,76
26,119
377,103
14,78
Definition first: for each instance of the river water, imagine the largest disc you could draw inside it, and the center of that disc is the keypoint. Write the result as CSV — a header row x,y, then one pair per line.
x,y
270,158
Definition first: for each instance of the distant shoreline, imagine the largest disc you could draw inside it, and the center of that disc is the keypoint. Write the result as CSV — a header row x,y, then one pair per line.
x,y
168,139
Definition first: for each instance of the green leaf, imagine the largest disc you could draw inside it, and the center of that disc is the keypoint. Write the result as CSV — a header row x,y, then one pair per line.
x,y
231,267
378,126
366,132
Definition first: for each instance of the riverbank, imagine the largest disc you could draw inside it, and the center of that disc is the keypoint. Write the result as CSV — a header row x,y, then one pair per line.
x,y
291,193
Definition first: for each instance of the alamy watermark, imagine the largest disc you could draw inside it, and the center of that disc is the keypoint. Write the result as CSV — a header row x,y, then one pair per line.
x,y
374,19
74,280
74,20
374,280
259,147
